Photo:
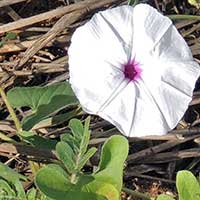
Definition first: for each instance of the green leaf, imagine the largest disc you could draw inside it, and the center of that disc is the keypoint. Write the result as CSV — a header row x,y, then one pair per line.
x,y
37,141
108,190
114,154
103,189
31,194
83,180
52,181
86,137
80,142
187,186
5,187
44,197
20,190
44,101
108,180
77,128
106,184
54,184
164,197
9,174
14,178
56,120
86,157
10,36
71,141
66,155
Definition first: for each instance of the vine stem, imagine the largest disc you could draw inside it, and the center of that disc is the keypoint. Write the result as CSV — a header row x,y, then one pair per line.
x,y
136,194
184,17
10,110
33,165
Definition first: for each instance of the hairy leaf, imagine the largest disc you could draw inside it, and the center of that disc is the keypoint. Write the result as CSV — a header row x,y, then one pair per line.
x,y
66,155
80,142
54,184
77,128
86,157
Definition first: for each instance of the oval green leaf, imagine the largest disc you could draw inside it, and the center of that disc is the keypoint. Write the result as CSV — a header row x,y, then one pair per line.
x,y
66,155
114,154
187,186
43,101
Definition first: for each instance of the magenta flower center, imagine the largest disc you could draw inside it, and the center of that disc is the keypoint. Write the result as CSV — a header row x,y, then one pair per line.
x,y
132,70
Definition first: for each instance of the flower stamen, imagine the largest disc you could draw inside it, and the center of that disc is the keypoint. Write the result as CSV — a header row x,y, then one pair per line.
x,y
132,70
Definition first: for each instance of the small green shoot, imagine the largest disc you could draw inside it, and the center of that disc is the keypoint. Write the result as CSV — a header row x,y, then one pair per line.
x,y
67,181
7,37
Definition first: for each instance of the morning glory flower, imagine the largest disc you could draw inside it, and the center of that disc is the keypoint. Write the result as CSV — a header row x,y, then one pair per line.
x,y
131,67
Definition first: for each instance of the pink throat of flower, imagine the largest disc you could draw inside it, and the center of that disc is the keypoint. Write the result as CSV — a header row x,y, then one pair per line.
x,y
132,70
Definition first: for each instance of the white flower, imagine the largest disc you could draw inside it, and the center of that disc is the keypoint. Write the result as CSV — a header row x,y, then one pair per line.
x,y
131,67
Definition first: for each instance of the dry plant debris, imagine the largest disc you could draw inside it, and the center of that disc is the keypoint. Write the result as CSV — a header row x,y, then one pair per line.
x,y
38,56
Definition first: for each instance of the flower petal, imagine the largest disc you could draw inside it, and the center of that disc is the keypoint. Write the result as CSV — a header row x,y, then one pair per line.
x,y
155,104
96,54
146,106
94,86
156,36
171,88
135,113
121,110
172,47
149,28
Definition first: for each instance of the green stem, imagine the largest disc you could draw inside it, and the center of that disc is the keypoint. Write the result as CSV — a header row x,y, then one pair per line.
x,y
136,194
6,138
184,17
10,109
74,175
34,166
133,2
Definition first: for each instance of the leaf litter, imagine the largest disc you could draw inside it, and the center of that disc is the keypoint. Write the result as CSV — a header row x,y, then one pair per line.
x,y
35,54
